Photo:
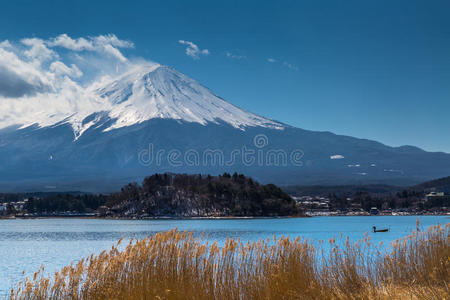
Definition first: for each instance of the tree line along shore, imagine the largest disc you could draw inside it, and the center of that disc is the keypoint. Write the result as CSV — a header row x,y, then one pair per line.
x,y
190,196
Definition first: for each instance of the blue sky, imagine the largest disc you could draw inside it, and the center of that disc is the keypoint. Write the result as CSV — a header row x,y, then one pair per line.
x,y
371,69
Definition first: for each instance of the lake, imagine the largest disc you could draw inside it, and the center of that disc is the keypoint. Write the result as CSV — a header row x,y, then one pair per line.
x,y
25,245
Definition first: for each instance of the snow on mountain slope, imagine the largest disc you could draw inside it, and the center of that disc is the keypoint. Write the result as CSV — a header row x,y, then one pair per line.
x,y
155,91
147,91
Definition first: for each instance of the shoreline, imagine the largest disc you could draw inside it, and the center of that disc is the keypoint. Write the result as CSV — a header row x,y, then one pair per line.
x,y
207,218
150,218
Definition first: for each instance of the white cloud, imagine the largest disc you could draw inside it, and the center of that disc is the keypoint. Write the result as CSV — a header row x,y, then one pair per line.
x,y
336,156
112,39
290,66
67,42
193,50
235,56
38,50
5,44
114,52
45,80
59,68
284,64
108,44
20,77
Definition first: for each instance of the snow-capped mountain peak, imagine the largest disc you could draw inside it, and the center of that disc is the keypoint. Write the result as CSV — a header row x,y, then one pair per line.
x,y
147,91
155,91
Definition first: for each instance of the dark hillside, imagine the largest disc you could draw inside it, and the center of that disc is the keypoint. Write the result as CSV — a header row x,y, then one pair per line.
x,y
200,195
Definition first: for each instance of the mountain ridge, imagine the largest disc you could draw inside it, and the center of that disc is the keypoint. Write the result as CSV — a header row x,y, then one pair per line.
x,y
172,112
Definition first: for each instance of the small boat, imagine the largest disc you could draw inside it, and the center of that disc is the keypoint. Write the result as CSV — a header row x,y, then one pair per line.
x,y
380,230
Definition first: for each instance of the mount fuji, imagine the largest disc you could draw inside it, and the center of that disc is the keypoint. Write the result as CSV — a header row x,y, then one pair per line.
x,y
155,119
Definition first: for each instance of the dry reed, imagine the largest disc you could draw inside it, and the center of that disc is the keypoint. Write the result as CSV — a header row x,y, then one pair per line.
x,y
176,265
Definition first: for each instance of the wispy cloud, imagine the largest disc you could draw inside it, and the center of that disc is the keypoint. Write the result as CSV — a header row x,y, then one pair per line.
x,y
61,69
284,64
107,44
290,66
235,56
193,50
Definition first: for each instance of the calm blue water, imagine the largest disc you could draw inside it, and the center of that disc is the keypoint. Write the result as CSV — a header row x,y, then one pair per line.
x,y
25,245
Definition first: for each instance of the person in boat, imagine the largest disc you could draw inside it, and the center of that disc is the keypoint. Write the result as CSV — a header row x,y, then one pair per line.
x,y
379,230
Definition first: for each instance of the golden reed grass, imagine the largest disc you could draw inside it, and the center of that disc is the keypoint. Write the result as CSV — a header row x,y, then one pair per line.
x,y
176,265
